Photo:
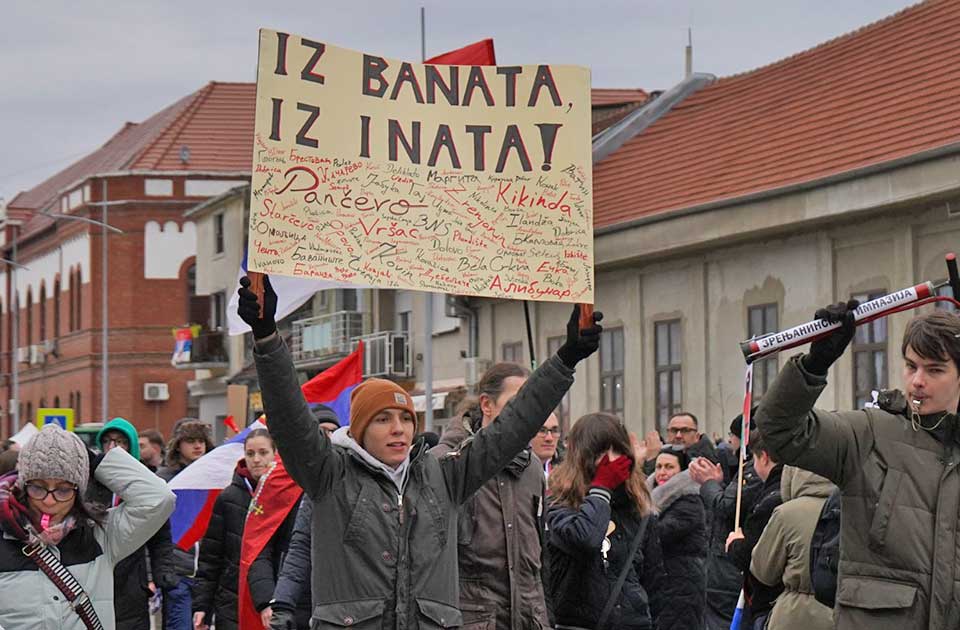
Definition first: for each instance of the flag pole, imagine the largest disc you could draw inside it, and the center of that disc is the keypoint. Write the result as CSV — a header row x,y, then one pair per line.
x,y
526,315
428,320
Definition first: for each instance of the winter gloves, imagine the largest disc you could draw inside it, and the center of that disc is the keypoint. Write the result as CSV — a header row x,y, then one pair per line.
x,y
824,352
249,308
610,474
580,343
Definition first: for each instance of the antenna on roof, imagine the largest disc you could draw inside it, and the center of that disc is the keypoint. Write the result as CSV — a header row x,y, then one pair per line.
x,y
688,65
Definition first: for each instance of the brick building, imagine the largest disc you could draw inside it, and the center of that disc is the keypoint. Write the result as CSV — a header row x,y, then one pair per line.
x,y
148,174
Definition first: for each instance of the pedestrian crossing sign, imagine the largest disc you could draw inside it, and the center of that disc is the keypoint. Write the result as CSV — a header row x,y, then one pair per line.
x,y
49,415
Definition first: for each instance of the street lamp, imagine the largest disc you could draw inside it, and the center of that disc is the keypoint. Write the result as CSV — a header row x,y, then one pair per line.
x,y
105,340
14,402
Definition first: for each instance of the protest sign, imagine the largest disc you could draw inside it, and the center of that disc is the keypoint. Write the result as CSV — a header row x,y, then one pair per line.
x,y
473,180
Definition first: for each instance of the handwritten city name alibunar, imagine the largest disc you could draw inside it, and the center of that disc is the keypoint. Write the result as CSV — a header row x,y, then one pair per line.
x,y
473,180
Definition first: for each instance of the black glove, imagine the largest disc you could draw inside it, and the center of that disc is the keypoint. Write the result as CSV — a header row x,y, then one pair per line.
x,y
249,308
824,352
283,619
580,344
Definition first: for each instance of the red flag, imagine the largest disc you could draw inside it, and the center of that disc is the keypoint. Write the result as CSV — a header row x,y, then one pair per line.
x,y
228,421
477,54
276,495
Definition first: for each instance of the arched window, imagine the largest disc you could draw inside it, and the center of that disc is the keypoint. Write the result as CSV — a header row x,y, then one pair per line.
x,y
77,407
29,417
79,316
56,402
56,307
28,320
43,312
72,324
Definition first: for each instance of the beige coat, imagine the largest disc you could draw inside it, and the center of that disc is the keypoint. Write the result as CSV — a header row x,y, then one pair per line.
x,y
783,552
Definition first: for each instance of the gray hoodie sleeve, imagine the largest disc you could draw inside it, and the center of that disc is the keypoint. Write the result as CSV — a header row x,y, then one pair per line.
x,y
294,578
306,451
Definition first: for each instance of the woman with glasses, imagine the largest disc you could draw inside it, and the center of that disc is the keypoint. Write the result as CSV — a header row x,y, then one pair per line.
x,y
42,507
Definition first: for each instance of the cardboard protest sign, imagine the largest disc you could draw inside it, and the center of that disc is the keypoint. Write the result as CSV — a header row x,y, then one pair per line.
x,y
473,180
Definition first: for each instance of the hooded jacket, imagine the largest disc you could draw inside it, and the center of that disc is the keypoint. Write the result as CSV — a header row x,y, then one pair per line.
x,y
682,526
500,540
397,543
901,497
131,592
30,601
783,552
215,590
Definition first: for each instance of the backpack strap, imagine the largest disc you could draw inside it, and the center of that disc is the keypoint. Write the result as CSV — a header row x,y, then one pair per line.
x,y
65,582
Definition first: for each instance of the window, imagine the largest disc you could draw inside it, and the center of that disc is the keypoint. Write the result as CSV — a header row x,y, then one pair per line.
x,y
43,313
29,319
218,233
56,308
76,407
71,311
218,311
78,306
611,371
348,299
869,355
29,417
946,306
563,411
56,402
512,352
403,322
667,342
762,320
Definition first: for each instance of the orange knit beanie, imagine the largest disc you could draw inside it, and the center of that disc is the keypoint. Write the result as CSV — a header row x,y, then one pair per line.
x,y
373,396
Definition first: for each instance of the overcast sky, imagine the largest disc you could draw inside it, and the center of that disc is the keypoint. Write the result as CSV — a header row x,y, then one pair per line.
x,y
73,72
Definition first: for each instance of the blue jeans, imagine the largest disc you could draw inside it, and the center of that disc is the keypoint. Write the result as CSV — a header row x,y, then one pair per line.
x,y
177,606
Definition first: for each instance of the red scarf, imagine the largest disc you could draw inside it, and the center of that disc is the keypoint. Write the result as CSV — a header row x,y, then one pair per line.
x,y
275,496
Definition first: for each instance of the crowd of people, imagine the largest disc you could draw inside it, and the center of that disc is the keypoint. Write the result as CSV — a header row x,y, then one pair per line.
x,y
502,522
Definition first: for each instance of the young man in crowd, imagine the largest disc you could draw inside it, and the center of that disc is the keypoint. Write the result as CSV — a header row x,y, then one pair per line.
x,y
151,448
546,443
896,466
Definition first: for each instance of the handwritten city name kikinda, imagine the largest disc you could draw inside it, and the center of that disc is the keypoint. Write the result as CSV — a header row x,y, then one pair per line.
x,y
510,195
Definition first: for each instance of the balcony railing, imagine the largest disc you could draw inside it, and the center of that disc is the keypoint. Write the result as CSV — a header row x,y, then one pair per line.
x,y
208,351
386,354
318,340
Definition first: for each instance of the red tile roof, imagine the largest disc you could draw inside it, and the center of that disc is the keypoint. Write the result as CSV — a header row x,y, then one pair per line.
x,y
885,91
216,122
603,97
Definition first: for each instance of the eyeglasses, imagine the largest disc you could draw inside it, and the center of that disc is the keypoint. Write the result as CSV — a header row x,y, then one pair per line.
x,y
60,494
554,431
681,430
113,441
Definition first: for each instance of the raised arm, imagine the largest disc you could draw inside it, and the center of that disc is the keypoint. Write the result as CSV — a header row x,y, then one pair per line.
x,y
306,451
495,445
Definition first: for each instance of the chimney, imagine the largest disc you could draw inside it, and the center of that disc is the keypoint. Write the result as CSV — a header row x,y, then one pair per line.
x,y
688,66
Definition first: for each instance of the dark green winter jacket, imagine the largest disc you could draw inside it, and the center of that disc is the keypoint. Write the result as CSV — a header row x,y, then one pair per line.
x,y
383,558
899,543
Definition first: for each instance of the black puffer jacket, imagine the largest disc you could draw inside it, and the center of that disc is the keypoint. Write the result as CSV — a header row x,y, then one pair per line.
x,y
580,584
682,526
724,579
293,582
760,597
215,591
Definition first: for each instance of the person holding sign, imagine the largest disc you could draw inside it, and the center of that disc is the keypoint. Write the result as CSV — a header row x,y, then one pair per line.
x,y
897,469
385,509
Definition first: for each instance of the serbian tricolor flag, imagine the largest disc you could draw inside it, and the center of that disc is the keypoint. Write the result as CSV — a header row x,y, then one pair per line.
x,y
198,486
333,386
275,496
